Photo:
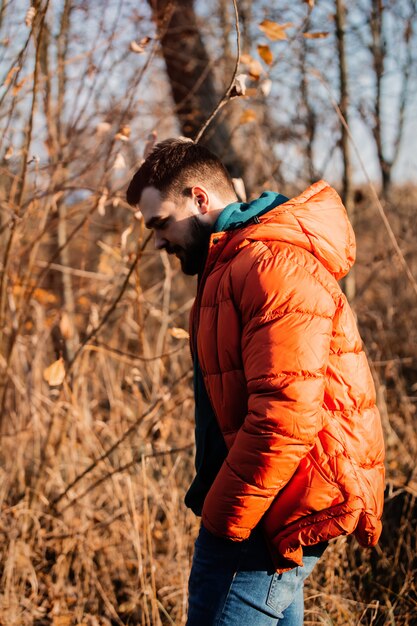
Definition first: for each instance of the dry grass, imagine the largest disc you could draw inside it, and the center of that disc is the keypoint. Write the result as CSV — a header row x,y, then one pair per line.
x,y
115,547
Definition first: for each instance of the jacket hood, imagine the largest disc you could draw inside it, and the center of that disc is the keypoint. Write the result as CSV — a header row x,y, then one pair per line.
x,y
316,220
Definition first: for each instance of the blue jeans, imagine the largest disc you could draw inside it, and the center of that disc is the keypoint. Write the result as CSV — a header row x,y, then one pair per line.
x,y
234,584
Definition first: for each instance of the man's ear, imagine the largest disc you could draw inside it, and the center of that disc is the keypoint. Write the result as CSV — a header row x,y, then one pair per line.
x,y
201,199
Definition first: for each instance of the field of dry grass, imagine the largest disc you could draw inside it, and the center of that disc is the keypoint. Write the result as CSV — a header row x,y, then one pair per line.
x,y
93,470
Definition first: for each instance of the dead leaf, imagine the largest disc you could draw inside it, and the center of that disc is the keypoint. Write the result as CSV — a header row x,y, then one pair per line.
x,y
30,16
265,53
266,86
124,133
273,30
9,153
139,47
254,67
248,116
179,333
127,607
55,373
310,3
315,35
239,86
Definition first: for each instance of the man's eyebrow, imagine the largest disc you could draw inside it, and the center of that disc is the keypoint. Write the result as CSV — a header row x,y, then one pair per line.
x,y
155,221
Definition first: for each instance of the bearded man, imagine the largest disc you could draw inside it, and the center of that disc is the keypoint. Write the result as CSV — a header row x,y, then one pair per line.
x,y
289,445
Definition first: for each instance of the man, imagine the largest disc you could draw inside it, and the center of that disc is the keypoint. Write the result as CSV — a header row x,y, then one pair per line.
x,y
289,447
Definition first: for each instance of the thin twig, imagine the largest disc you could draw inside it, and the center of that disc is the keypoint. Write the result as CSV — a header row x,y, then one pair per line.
x,y
118,470
154,407
112,307
228,91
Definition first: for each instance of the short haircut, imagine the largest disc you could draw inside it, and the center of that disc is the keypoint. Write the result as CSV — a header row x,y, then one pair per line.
x,y
176,165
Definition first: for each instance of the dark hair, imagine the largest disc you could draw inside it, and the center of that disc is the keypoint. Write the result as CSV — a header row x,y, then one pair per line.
x,y
174,166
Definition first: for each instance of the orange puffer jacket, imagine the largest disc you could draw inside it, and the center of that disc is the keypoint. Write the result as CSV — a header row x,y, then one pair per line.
x,y
289,382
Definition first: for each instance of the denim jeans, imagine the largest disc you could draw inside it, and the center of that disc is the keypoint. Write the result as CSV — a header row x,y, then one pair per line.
x,y
234,584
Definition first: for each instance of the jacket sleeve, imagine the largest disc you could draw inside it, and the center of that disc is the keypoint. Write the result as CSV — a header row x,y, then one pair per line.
x,y
286,330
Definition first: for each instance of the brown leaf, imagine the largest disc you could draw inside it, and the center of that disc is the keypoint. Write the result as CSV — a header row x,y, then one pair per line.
x,y
179,333
310,3
140,47
273,30
239,86
55,373
265,53
30,16
254,67
124,133
315,35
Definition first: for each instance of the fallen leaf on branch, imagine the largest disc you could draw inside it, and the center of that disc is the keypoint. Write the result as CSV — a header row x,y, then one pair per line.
x,y
239,86
273,30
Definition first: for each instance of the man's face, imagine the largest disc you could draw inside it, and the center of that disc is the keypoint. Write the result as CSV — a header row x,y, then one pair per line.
x,y
178,228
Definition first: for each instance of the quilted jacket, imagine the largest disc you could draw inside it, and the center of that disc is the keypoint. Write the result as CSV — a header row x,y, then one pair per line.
x,y
289,382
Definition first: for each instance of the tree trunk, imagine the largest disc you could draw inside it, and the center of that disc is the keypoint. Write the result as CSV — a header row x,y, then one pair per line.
x,y
191,77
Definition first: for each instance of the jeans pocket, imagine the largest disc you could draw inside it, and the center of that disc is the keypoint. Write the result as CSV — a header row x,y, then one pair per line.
x,y
282,591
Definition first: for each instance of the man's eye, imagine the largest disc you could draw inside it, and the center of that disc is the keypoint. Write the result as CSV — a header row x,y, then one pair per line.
x,y
162,224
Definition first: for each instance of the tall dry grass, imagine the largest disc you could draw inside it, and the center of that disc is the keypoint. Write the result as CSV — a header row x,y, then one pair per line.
x,y
93,471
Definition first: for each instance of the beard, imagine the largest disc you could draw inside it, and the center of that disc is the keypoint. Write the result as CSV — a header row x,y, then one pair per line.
x,y
193,253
